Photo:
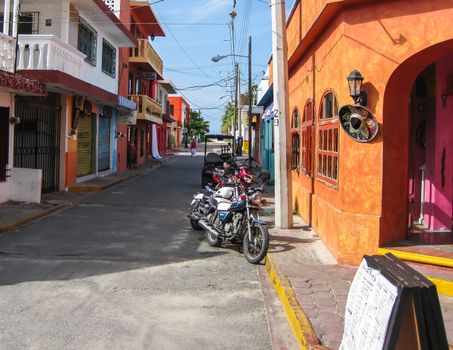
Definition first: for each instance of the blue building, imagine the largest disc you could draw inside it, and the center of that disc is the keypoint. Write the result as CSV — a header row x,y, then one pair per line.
x,y
267,132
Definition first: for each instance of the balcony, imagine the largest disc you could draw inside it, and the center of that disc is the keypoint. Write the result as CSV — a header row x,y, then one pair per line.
x,y
7,53
147,108
48,52
145,54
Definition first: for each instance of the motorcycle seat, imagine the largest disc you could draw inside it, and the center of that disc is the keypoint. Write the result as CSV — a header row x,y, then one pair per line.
x,y
216,200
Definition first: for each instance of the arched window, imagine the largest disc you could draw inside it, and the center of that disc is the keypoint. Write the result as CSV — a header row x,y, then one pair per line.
x,y
328,140
295,140
307,139
329,107
295,119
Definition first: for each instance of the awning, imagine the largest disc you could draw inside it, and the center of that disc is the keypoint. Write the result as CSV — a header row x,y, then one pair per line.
x,y
269,113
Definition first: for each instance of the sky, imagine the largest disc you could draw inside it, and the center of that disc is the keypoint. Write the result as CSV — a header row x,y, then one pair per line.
x,y
196,31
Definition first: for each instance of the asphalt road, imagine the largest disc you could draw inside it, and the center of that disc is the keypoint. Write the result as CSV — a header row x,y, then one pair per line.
x,y
124,270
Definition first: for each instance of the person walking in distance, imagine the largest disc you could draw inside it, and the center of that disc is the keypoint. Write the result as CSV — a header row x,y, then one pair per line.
x,y
193,147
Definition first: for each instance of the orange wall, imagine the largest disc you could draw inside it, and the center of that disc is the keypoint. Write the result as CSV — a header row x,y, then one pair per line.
x,y
177,102
71,154
369,206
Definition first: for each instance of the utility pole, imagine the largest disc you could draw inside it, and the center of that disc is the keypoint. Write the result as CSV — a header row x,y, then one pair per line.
x,y
236,72
283,195
250,102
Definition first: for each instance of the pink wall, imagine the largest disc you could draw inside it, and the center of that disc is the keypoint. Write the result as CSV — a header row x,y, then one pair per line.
x,y
440,213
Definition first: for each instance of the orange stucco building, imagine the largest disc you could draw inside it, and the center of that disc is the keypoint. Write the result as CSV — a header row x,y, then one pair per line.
x,y
359,196
180,109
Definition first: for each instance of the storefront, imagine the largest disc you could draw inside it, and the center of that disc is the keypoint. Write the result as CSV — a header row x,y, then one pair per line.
x,y
86,145
37,137
127,119
10,85
361,192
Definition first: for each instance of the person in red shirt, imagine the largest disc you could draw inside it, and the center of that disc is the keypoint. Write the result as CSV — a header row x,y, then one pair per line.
x,y
193,147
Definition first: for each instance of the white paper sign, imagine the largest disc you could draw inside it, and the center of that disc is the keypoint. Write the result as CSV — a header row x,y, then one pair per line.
x,y
369,307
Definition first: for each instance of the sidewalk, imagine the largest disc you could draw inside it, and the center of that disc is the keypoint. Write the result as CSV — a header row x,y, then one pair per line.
x,y
312,287
14,214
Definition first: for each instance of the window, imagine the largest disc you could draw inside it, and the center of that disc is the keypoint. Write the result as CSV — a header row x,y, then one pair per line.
x,y
87,41
295,140
28,23
130,86
307,139
295,119
328,139
329,106
108,58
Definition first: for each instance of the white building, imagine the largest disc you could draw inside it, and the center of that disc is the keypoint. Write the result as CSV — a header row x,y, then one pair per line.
x,y
72,47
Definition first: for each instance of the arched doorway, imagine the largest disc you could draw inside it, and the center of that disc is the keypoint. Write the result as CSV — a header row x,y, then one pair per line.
x,y
418,146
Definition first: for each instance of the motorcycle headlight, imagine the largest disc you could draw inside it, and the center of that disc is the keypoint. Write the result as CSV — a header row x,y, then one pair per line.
x,y
256,198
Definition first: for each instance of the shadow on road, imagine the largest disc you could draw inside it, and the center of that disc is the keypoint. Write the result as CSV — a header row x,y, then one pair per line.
x,y
138,224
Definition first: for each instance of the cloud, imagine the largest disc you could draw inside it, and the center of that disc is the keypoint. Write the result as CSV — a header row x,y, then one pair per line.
x,y
208,9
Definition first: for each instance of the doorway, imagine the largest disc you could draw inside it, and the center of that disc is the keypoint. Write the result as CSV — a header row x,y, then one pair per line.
x,y
37,137
4,141
431,148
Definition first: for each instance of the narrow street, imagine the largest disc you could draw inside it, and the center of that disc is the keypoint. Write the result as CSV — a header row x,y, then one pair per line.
x,y
124,270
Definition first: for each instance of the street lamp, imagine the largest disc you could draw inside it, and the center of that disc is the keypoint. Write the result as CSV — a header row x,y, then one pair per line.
x,y
249,56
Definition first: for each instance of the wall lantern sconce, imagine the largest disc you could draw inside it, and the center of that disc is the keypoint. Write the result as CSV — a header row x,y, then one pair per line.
x,y
355,80
14,120
444,98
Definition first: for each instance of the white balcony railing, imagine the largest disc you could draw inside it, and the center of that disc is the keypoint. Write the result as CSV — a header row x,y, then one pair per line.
x,y
7,53
48,52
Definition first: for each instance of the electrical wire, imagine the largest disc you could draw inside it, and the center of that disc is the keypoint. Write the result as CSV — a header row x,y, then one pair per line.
x,y
185,51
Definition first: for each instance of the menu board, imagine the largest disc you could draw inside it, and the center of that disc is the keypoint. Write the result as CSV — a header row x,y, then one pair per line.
x,y
392,306
370,303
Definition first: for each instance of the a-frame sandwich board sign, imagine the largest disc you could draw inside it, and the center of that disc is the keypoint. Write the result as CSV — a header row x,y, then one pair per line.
x,y
392,306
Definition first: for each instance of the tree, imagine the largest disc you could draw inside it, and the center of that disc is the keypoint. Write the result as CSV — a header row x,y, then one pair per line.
x,y
228,115
227,119
197,126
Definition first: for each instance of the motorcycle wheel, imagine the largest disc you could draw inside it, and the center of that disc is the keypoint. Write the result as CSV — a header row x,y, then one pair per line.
x,y
213,242
195,226
256,249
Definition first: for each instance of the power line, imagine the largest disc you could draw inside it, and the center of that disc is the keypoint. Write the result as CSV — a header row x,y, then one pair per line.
x,y
185,51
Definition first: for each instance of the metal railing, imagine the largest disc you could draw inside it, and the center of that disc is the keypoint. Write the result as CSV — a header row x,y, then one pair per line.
x,y
145,52
147,108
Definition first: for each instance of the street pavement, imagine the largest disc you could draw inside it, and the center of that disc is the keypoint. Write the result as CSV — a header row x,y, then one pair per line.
x,y
124,270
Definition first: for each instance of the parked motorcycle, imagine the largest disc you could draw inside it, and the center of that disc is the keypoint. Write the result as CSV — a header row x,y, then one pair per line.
x,y
237,220
200,204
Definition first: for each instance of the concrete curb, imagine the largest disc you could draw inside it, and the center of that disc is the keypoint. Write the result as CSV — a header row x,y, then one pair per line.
x,y
415,257
303,331
26,219
444,287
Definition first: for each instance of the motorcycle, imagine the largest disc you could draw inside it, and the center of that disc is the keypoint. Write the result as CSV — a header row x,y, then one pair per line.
x,y
200,204
237,220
